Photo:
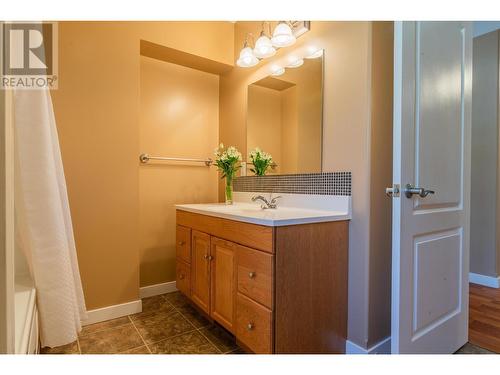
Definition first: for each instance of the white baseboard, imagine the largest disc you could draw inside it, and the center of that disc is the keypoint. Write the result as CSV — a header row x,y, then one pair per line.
x,y
113,312
491,281
382,347
156,289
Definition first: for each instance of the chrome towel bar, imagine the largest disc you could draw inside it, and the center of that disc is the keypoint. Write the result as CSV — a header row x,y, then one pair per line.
x,y
144,158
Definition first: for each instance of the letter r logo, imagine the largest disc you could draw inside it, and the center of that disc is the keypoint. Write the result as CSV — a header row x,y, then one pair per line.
x,y
27,48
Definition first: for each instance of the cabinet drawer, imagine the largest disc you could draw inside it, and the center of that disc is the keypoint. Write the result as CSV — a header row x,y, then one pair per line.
x,y
255,275
183,243
183,277
253,325
252,235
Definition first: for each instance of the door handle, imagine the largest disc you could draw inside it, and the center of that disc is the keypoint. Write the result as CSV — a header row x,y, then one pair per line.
x,y
411,190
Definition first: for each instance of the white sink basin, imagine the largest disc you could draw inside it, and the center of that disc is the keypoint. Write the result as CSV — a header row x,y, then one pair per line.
x,y
283,215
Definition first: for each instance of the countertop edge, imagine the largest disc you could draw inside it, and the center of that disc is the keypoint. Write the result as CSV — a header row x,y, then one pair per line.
x,y
266,222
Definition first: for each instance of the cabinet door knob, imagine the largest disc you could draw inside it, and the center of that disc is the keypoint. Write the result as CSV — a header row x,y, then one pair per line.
x,y
210,257
181,277
250,326
181,243
251,275
205,256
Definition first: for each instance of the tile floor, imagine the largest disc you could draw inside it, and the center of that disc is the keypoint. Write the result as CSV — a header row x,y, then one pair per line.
x,y
167,325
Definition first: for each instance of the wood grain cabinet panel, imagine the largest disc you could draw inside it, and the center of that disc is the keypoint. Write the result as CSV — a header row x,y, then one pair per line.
x,y
254,325
252,235
183,277
183,243
255,275
223,287
200,270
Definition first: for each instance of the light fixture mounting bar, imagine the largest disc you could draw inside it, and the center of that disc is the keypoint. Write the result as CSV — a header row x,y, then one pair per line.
x,y
300,27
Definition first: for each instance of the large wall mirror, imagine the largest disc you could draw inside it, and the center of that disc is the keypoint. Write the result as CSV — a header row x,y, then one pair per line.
x,y
285,117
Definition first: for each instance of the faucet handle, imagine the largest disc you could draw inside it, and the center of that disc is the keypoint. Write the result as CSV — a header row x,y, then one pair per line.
x,y
273,200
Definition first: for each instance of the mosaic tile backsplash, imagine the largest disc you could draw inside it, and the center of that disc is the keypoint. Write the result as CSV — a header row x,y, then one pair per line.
x,y
329,183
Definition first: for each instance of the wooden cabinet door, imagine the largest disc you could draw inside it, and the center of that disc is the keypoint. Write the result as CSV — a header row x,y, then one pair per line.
x,y
200,270
224,282
183,243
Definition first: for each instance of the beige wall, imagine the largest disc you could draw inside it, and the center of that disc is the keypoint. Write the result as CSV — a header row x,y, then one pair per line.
x,y
97,114
484,249
380,178
347,146
179,117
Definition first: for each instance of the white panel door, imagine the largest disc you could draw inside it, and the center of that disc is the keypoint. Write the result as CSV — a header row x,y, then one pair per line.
x,y
432,126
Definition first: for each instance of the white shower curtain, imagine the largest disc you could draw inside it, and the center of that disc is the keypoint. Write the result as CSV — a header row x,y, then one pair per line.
x,y
43,219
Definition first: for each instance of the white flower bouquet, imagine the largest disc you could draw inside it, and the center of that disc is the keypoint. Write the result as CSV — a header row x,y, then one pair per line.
x,y
228,162
261,161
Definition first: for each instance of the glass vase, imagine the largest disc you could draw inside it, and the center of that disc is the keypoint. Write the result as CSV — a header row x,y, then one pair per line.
x,y
229,190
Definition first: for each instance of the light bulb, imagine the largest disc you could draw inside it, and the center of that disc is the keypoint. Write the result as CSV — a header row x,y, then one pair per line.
x,y
247,58
277,70
295,62
283,36
314,54
263,47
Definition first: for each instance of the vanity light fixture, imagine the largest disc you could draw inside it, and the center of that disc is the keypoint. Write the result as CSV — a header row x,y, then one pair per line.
x,y
247,58
283,35
277,70
315,54
263,47
295,62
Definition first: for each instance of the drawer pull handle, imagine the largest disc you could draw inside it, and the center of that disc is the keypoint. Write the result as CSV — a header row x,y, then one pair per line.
x,y
181,243
250,326
181,277
251,275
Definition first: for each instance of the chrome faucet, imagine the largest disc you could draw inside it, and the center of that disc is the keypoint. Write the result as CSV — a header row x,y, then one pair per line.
x,y
271,203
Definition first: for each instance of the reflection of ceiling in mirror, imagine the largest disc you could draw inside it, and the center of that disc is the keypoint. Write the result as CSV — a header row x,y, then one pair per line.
x,y
274,83
312,69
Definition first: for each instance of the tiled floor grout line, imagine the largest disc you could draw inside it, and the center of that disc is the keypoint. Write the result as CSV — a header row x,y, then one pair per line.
x,y
210,341
176,305
174,310
142,338
195,328
172,337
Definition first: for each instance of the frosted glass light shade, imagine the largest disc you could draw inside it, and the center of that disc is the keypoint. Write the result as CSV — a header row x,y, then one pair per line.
x,y
277,70
247,58
283,36
263,47
315,54
295,63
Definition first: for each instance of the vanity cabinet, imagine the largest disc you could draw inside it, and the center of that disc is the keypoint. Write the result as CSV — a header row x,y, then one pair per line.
x,y
277,289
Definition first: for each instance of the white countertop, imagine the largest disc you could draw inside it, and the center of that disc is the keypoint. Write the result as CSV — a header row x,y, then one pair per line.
x,y
283,215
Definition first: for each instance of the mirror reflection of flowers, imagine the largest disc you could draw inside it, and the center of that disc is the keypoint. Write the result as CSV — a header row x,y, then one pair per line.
x,y
228,162
261,161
